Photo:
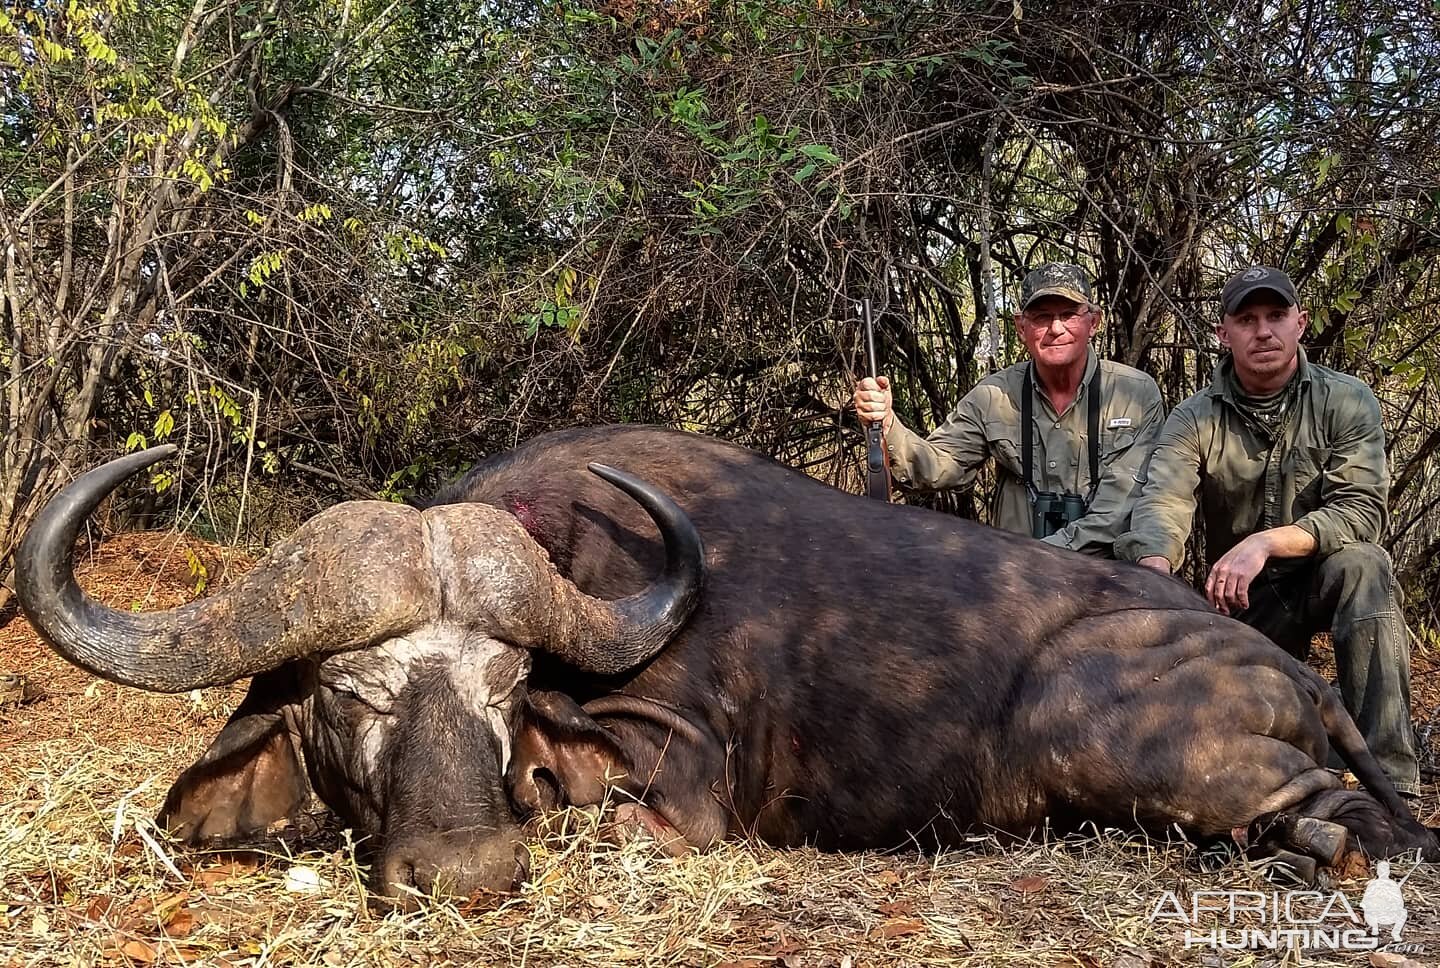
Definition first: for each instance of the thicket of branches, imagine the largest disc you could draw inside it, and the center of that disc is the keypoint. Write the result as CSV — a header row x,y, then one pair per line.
x,y
345,246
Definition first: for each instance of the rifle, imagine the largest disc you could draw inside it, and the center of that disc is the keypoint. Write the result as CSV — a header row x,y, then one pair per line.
x,y
877,464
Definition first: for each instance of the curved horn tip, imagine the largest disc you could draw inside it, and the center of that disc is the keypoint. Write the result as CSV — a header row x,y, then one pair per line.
x,y
162,450
153,455
119,468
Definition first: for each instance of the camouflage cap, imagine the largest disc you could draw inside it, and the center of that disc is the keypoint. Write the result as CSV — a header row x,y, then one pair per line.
x,y
1245,283
1055,279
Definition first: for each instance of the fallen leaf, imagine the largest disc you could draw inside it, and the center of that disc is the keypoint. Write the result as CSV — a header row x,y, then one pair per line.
x,y
1391,959
100,907
1133,960
887,878
137,950
50,888
151,910
181,923
898,909
1353,866
1029,885
787,946
223,872
901,927
228,961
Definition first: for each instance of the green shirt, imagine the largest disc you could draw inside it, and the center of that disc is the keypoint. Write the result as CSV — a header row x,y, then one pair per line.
x,y
986,424
1322,468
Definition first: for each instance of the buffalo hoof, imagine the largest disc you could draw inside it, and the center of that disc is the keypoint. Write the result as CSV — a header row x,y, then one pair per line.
x,y
1287,867
1325,841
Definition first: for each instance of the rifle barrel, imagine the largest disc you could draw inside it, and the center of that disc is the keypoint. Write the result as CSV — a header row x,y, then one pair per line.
x,y
877,472
870,337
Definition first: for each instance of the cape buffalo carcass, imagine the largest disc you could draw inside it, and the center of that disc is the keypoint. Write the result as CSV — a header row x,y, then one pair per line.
x,y
854,675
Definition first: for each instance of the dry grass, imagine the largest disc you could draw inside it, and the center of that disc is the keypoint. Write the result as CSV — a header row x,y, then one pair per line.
x,y
85,878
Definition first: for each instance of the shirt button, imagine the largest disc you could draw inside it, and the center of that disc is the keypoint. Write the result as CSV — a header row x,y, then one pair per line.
x,y
1052,463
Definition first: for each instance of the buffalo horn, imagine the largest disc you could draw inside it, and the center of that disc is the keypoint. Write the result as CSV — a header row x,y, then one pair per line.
x,y
610,637
347,577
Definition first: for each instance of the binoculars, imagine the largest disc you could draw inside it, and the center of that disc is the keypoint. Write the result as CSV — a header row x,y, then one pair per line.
x,y
1050,512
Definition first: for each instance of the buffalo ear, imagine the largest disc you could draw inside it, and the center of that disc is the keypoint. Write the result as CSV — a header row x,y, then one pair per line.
x,y
251,776
562,756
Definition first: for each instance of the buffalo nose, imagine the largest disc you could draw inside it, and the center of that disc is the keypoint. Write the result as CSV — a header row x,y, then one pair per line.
x,y
439,867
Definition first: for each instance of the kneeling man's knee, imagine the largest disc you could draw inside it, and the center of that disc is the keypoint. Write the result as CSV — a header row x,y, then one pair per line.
x,y
1361,561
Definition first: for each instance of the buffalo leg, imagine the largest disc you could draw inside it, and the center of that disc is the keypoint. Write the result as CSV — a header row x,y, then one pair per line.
x,y
1324,840
1371,827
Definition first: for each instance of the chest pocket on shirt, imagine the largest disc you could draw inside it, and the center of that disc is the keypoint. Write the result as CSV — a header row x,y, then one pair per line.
x,y
1114,442
1305,477
1007,452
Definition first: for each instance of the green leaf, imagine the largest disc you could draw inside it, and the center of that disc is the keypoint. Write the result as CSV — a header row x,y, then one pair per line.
x,y
821,153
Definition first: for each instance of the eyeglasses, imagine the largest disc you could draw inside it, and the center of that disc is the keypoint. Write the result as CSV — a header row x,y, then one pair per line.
x,y
1065,318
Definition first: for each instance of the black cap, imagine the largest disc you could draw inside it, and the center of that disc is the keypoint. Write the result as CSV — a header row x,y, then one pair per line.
x,y
1245,283
1055,279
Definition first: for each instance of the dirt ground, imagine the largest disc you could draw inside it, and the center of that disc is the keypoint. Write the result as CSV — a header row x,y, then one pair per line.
x,y
85,878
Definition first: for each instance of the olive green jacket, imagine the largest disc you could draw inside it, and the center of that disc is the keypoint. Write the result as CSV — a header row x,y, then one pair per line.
x,y
986,424
1324,470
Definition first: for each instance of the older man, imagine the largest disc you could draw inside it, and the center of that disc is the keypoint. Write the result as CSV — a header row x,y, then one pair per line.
x,y
1067,430
1288,460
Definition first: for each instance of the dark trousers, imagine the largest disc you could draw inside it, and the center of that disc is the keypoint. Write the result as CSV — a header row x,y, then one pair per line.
x,y
1353,595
